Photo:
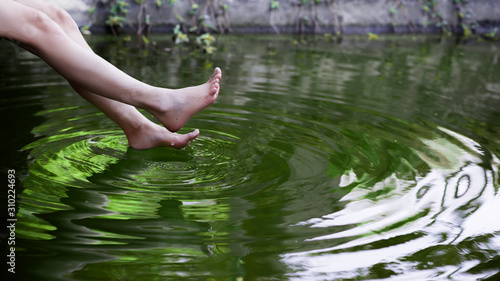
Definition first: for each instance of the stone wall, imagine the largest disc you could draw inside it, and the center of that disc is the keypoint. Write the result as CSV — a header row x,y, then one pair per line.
x,y
354,16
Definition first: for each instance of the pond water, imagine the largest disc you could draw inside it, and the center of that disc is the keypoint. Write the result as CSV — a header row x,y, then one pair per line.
x,y
322,161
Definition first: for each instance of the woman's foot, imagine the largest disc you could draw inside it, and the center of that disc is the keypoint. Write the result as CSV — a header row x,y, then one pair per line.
x,y
172,108
175,107
151,135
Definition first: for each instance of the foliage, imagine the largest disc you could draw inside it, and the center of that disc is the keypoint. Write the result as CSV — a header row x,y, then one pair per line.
x,y
85,29
372,37
118,8
434,16
205,17
180,37
491,35
194,9
117,11
115,21
116,16
275,4
205,41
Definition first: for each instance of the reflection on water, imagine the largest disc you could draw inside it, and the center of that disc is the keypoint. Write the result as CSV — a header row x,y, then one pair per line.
x,y
427,223
354,161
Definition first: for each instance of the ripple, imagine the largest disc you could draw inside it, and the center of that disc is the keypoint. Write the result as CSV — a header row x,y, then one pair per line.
x,y
307,168
430,210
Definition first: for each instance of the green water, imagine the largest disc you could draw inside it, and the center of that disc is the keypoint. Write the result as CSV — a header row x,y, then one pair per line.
x,y
358,160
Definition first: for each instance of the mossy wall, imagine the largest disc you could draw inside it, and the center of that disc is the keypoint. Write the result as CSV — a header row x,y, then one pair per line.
x,y
290,16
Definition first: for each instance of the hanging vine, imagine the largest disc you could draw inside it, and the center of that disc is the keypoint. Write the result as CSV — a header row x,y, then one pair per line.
x,y
314,20
199,26
116,18
432,16
465,19
337,19
275,4
396,7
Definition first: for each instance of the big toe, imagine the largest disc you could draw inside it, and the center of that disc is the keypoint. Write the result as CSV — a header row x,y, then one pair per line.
x,y
217,75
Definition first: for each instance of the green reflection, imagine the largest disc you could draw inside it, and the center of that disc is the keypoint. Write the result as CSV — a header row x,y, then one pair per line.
x,y
312,155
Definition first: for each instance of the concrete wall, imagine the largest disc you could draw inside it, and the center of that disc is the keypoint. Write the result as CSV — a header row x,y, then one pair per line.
x,y
358,16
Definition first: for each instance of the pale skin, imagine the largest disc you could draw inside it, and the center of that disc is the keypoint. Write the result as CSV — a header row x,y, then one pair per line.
x,y
50,33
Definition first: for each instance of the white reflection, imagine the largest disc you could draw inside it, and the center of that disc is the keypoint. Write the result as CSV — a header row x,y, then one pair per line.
x,y
455,200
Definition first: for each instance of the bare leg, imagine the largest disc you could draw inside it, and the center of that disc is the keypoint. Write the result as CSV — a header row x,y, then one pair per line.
x,y
49,27
140,131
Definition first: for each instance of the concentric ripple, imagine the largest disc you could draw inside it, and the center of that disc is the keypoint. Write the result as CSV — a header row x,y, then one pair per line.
x,y
318,163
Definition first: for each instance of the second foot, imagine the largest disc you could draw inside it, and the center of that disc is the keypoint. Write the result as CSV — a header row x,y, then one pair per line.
x,y
154,135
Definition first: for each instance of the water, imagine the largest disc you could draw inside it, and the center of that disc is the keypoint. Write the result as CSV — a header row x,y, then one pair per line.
x,y
356,161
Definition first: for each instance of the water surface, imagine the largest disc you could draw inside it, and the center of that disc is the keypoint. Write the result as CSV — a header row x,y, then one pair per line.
x,y
358,160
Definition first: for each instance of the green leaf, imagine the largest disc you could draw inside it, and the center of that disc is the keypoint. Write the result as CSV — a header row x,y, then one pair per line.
x,y
467,31
210,49
85,29
194,8
274,4
177,29
181,38
207,39
372,37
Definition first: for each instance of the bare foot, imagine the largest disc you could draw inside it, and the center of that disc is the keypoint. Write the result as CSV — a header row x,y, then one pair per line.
x,y
151,135
177,106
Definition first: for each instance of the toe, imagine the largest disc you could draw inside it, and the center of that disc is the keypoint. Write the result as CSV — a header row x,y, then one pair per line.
x,y
194,134
184,140
217,73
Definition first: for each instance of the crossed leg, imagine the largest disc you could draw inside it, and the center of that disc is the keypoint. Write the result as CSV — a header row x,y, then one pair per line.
x,y
51,33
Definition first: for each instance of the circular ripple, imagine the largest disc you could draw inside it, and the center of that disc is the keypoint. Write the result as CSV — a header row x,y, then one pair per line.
x,y
292,169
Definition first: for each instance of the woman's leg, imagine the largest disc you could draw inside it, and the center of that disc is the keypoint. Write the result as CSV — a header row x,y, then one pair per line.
x,y
140,131
55,23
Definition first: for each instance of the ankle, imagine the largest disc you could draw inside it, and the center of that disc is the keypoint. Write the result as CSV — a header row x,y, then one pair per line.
x,y
159,100
134,124
135,134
